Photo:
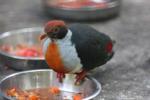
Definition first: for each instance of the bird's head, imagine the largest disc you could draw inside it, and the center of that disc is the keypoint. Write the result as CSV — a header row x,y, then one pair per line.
x,y
55,29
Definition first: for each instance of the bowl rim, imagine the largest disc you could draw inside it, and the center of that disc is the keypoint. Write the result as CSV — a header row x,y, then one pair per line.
x,y
20,31
96,93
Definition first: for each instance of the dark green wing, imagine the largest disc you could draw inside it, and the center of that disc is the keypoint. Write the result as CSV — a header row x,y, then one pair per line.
x,y
90,45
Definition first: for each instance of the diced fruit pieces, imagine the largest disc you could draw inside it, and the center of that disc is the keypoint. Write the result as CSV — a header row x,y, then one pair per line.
x,y
77,97
54,90
12,92
33,96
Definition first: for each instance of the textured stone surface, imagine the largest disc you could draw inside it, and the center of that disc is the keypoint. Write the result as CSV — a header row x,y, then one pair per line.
x,y
127,75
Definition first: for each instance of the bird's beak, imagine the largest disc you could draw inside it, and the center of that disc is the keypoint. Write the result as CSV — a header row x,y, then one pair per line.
x,y
43,36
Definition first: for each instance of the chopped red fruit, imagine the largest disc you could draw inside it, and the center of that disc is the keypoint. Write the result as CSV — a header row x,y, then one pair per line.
x,y
12,92
33,96
23,50
54,90
27,52
77,4
77,97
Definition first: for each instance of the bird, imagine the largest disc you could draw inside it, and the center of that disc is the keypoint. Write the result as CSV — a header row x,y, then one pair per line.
x,y
75,48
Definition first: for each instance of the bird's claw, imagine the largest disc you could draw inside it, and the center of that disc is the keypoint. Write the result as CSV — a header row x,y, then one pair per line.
x,y
60,77
80,77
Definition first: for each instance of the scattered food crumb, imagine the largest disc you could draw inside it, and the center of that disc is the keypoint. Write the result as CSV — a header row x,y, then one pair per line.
x,y
33,96
54,90
12,92
77,97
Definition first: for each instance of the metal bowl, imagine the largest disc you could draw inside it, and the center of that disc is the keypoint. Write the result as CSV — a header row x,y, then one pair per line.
x,y
86,13
27,36
46,78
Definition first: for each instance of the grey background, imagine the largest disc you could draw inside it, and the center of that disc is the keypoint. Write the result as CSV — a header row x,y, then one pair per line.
x,y
127,75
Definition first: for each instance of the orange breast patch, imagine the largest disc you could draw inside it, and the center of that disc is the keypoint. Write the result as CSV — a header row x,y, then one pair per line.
x,y
53,58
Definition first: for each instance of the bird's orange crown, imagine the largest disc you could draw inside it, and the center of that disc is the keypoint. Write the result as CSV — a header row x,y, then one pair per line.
x,y
52,24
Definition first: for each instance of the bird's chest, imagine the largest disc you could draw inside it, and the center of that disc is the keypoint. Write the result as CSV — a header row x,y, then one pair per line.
x,y
62,55
53,57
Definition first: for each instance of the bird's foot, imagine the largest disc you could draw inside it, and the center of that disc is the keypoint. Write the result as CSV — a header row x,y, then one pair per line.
x,y
60,77
80,77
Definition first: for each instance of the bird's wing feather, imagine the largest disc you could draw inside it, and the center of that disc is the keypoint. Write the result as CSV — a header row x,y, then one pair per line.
x,y
89,44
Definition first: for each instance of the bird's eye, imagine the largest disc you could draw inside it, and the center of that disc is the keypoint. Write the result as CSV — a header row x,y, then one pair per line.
x,y
109,47
55,30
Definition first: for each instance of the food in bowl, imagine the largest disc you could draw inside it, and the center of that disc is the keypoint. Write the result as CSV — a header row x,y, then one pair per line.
x,y
77,4
12,40
23,50
43,82
40,94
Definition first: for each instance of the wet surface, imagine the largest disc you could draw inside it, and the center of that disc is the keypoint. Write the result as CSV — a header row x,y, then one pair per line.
x,y
127,75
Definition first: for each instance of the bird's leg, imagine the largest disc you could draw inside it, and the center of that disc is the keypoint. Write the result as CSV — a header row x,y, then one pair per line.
x,y
80,76
60,76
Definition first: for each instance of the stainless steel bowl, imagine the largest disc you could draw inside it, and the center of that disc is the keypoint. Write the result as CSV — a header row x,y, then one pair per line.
x,y
45,78
27,36
86,13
